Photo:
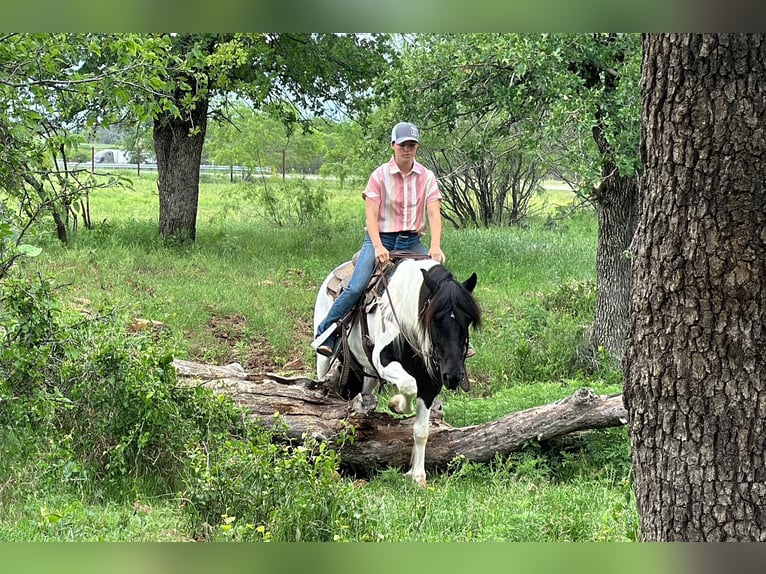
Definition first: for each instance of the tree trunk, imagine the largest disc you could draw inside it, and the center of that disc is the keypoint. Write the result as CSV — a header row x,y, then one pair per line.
x,y
178,144
61,228
380,440
616,205
695,379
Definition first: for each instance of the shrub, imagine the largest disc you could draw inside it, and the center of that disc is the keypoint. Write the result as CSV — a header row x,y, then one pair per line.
x,y
101,408
543,339
28,328
289,202
107,402
258,490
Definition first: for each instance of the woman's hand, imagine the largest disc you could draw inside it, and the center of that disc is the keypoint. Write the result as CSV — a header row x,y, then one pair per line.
x,y
437,255
381,255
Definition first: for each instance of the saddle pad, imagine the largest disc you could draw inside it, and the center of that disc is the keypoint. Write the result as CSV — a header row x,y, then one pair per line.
x,y
340,279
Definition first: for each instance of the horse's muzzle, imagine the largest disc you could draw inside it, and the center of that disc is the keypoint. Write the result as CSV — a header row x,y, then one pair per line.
x,y
453,381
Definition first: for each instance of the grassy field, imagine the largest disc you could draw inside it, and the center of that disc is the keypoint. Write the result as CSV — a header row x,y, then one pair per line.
x,y
244,292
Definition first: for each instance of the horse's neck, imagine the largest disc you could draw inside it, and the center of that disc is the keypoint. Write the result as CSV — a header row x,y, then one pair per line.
x,y
404,289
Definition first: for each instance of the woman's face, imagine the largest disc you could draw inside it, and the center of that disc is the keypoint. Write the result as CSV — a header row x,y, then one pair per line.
x,y
405,151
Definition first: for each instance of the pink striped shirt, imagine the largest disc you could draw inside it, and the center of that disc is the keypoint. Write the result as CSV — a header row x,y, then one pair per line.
x,y
402,198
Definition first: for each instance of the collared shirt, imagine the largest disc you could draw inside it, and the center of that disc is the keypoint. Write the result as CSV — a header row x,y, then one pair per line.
x,y
402,198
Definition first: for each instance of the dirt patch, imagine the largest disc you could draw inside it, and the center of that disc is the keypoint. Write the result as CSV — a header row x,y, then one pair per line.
x,y
257,358
226,327
253,352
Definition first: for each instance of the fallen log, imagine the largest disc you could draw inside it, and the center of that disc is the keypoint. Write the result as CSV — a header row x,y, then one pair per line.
x,y
306,407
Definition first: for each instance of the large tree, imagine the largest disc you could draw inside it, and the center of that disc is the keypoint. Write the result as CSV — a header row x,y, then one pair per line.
x,y
607,67
571,99
695,378
299,73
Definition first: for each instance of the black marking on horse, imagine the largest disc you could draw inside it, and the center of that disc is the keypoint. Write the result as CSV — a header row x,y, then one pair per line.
x,y
400,351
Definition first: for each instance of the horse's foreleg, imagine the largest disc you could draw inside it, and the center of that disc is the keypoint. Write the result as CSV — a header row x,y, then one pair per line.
x,y
369,398
404,401
420,437
323,365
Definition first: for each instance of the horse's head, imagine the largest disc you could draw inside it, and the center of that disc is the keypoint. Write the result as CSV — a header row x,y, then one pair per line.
x,y
448,314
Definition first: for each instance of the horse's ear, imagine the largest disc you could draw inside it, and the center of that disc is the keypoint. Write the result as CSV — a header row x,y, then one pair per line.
x,y
429,281
470,283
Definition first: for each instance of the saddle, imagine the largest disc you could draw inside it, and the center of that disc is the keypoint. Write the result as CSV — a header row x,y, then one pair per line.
x,y
375,287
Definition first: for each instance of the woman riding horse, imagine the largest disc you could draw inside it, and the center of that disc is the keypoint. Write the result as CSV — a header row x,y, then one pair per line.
x,y
419,330
400,195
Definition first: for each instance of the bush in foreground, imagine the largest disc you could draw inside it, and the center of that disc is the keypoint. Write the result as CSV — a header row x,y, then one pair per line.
x,y
86,405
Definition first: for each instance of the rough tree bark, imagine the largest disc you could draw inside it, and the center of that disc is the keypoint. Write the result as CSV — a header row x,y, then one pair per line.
x,y
615,200
695,368
382,441
616,206
178,145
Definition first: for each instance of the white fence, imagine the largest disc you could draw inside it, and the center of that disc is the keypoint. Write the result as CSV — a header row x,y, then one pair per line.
x,y
235,172
232,170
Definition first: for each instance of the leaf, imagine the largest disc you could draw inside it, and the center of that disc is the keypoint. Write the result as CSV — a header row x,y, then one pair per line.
x,y
30,250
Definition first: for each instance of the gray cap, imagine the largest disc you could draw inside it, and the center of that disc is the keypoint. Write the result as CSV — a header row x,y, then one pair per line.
x,y
404,131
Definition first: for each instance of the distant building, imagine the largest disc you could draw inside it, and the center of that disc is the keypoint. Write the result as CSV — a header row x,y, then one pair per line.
x,y
110,156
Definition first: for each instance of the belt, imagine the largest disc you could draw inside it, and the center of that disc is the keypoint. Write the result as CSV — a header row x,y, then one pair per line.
x,y
401,234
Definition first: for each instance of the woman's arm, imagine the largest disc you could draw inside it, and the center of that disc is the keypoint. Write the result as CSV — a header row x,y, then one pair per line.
x,y
371,209
435,227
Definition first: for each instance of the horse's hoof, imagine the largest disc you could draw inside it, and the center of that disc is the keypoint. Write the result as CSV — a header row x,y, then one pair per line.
x,y
331,379
369,403
397,404
419,479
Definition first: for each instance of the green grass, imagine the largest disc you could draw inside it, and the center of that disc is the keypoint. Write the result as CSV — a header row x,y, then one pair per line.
x,y
245,291
511,504
62,517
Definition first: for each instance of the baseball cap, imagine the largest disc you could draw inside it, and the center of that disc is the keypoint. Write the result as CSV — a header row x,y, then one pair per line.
x,y
404,131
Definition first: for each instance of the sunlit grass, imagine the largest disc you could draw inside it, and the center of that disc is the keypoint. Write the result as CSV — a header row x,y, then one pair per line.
x,y
247,287
64,517
516,501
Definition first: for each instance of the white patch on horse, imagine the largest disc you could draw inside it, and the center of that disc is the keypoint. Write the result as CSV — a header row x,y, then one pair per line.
x,y
420,435
403,288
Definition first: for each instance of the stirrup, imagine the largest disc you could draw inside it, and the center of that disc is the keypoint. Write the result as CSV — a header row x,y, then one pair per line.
x,y
322,337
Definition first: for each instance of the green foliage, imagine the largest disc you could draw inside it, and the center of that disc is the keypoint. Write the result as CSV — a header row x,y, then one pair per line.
x,y
346,157
129,419
111,400
295,201
255,490
565,103
543,338
107,412
30,344
57,84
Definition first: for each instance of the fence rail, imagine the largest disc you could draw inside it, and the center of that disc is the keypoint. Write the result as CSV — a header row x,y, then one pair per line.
x,y
232,170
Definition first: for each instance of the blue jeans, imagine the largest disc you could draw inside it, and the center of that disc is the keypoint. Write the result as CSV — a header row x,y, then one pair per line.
x,y
363,270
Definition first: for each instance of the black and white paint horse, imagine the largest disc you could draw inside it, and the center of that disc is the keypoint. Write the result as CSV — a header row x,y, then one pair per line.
x,y
419,329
